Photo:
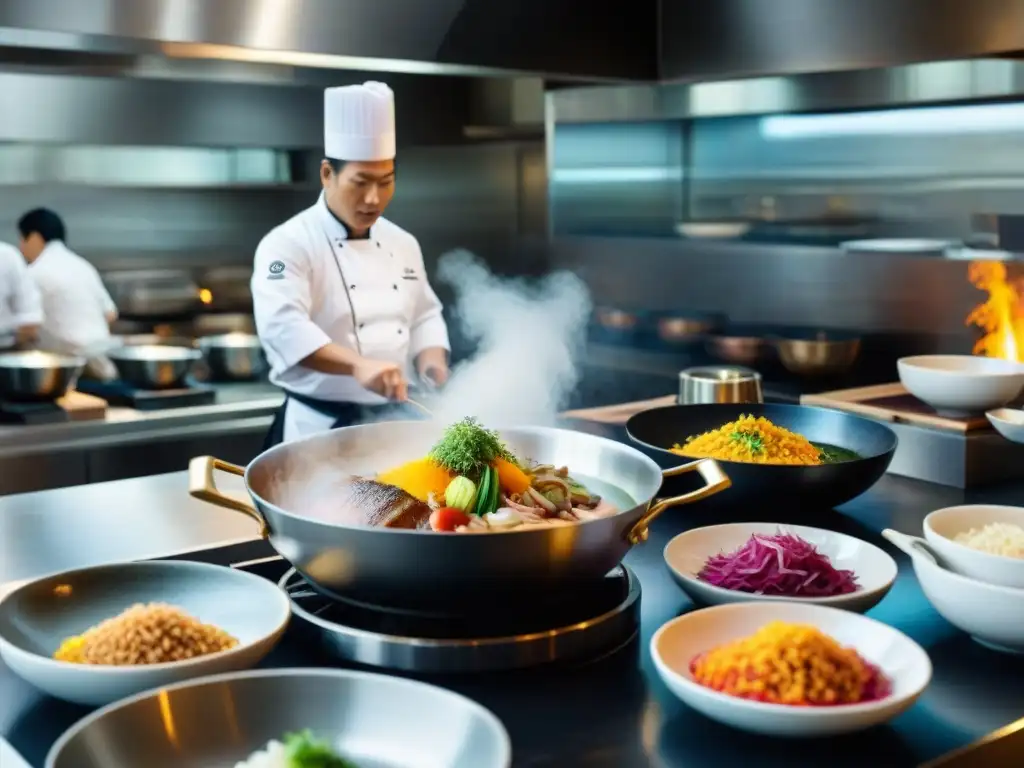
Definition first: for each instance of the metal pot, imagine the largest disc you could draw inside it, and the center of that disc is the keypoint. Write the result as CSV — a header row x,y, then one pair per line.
x,y
818,354
153,366
27,376
719,384
739,349
233,356
686,329
292,487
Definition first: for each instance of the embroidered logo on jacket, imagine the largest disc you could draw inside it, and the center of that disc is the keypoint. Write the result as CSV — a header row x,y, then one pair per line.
x,y
276,270
409,274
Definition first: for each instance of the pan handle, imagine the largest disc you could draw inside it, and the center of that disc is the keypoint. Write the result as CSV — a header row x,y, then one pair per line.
x,y
714,478
202,486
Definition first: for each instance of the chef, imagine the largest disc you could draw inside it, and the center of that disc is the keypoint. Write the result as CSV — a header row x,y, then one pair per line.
x,y
340,295
21,308
77,310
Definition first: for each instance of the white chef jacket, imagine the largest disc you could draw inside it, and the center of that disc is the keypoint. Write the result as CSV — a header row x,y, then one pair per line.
x,y
312,285
75,303
20,303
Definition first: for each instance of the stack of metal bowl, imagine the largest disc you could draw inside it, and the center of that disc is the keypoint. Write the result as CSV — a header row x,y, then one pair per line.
x,y
233,356
153,366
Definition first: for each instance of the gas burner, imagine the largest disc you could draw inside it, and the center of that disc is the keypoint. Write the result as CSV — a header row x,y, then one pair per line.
x,y
586,623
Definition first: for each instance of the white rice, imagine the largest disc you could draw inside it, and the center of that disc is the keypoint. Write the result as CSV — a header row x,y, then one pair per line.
x,y
1003,539
271,756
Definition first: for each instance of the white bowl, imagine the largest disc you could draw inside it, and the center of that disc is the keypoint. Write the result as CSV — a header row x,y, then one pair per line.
x,y
992,615
902,660
942,526
1008,422
958,385
686,554
38,616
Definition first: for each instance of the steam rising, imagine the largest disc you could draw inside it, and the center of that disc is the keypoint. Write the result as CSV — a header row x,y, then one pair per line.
x,y
530,336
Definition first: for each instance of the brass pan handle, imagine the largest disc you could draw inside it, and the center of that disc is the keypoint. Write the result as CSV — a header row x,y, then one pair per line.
x,y
714,478
203,486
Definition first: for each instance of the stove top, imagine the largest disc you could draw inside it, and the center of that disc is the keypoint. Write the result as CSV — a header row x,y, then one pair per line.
x,y
589,622
123,394
31,413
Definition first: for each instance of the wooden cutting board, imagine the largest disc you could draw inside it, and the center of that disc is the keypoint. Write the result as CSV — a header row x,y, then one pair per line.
x,y
82,407
618,414
891,402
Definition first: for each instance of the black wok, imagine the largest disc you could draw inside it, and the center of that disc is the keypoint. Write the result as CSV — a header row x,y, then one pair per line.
x,y
799,487
293,486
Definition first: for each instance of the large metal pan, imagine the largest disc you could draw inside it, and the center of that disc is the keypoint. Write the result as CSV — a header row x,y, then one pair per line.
x,y
764,485
292,486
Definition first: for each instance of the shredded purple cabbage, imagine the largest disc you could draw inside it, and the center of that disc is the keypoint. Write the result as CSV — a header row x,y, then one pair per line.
x,y
783,565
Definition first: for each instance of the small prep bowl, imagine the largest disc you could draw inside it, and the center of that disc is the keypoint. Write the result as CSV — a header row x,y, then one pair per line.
x,y
959,385
902,660
991,614
942,526
686,554
1008,422
38,616
373,720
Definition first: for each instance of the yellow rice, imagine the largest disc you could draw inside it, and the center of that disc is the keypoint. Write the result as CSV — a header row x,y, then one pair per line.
x,y
751,440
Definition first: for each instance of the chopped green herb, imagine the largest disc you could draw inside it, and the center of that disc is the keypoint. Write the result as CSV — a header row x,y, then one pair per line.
x,y
466,448
833,454
752,440
302,750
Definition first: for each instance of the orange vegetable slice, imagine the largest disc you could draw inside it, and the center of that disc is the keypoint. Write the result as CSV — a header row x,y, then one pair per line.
x,y
511,477
419,478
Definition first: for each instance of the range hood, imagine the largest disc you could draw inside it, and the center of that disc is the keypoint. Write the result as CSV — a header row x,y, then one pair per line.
x,y
556,38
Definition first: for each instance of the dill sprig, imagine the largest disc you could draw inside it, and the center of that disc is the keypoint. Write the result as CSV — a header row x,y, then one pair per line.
x,y
466,448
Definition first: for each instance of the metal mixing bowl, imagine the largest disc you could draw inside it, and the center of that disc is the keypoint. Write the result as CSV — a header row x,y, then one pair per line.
x,y
37,375
687,329
233,356
744,350
374,720
819,353
152,366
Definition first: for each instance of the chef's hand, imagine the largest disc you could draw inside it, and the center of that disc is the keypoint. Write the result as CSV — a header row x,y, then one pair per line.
x,y
432,366
381,377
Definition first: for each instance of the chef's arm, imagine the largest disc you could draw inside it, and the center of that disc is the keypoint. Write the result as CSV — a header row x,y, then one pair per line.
x,y
428,336
282,304
28,309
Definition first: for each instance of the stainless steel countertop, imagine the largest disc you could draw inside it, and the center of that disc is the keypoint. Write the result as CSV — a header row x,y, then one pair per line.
x,y
135,519
249,405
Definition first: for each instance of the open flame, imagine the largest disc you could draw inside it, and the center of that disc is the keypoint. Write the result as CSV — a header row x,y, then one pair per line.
x,y
1000,316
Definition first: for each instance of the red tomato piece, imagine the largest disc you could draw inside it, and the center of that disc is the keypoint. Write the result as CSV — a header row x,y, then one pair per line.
x,y
448,519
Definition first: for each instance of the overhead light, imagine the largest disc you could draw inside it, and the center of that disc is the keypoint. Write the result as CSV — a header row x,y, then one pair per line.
x,y
976,118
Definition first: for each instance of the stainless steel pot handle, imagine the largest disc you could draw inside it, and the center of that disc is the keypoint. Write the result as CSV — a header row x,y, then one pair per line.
x,y
716,480
201,485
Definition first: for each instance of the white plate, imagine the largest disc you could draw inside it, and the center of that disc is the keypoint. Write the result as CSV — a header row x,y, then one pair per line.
x,y
898,245
902,660
686,554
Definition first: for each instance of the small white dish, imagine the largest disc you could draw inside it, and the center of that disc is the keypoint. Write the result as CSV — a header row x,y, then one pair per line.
x,y
686,554
38,616
1008,422
960,385
903,661
942,526
899,245
991,614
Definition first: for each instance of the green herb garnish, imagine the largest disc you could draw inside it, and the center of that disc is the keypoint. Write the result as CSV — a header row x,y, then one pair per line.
x,y
466,448
752,440
302,750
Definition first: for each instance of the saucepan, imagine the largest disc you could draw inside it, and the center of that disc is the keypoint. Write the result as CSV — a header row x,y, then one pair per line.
x,y
293,485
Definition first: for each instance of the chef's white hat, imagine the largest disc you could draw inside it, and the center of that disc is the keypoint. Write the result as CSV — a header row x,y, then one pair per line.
x,y
359,122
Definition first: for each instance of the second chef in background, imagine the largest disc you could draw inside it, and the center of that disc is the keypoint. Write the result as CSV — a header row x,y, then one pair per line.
x,y
21,309
340,295
77,310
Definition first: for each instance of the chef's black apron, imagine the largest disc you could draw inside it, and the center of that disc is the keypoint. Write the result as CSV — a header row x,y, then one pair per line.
x,y
344,414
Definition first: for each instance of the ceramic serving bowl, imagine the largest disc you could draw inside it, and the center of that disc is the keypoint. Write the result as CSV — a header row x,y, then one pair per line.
x,y
902,660
958,385
686,554
370,719
38,616
992,615
1008,422
942,526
